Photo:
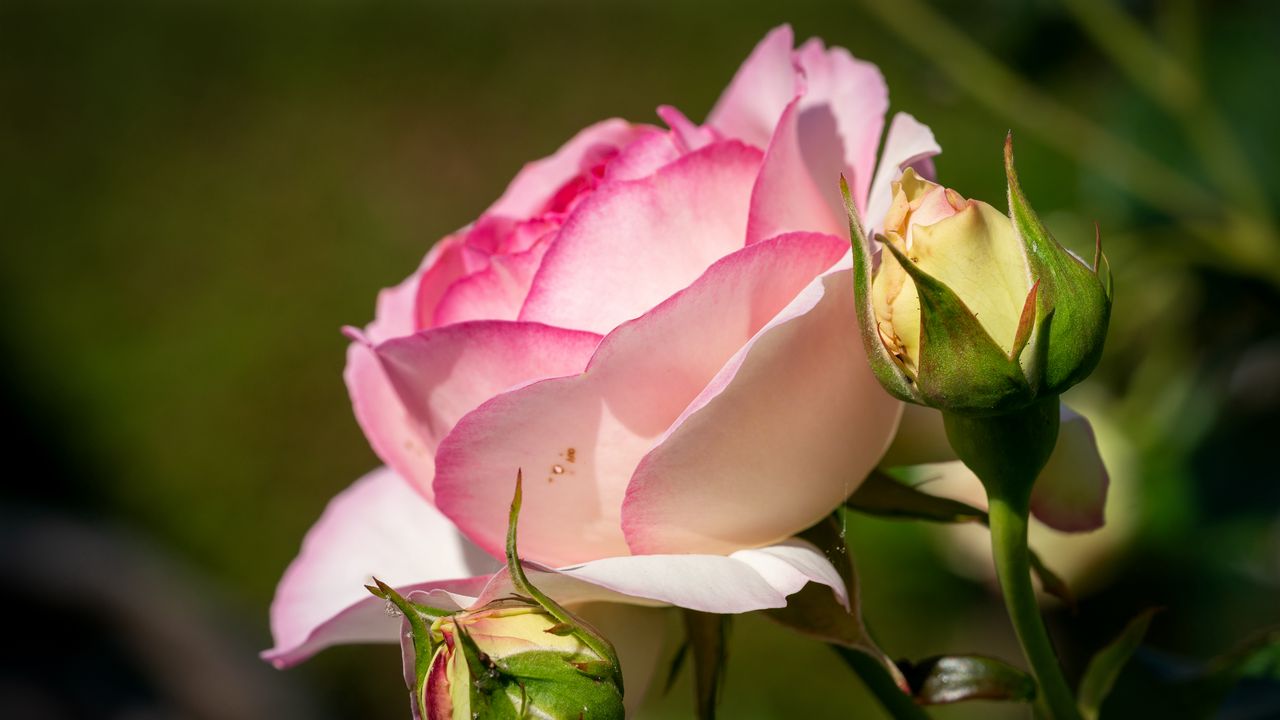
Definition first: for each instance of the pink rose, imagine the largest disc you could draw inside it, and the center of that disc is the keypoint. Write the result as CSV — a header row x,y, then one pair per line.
x,y
657,325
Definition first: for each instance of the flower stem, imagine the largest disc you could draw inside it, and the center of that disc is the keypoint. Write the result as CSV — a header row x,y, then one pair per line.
x,y
1008,517
880,683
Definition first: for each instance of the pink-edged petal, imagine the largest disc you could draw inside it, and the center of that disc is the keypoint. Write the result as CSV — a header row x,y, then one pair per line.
x,y
778,439
377,527
495,293
909,143
632,244
442,374
840,119
538,181
785,197
396,312
578,439
643,157
688,136
750,106
445,264
396,437
1071,492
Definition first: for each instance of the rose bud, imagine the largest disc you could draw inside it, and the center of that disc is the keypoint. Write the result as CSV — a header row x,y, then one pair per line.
x,y
513,659
522,655
972,311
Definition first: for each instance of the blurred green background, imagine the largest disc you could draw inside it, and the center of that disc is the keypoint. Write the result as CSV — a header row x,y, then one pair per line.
x,y
197,195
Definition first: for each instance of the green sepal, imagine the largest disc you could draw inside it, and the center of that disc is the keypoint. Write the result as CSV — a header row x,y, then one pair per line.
x,y
557,688
962,369
419,618
587,635
1079,296
1105,666
952,679
883,365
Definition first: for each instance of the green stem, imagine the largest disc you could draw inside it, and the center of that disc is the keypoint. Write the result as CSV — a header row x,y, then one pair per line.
x,y
881,684
1008,517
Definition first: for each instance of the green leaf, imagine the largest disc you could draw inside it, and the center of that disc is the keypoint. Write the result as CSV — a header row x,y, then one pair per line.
x,y
883,496
1103,670
1242,682
707,635
883,365
952,679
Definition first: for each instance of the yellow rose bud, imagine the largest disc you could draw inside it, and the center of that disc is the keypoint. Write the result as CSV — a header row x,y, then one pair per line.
x,y
513,659
973,311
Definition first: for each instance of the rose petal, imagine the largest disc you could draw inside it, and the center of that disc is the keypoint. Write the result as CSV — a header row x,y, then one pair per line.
x,y
840,120
397,439
538,181
495,293
755,98
578,439
445,264
782,436
377,527
442,374
632,244
1071,492
745,581
688,136
642,157
907,144
785,198
396,312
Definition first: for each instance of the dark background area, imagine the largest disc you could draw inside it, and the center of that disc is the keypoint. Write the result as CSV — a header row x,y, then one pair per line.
x,y
194,197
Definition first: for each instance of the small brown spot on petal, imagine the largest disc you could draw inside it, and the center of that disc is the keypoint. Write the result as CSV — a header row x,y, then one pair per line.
x,y
571,455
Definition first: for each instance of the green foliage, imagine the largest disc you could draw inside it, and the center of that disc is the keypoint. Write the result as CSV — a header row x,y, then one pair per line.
x,y
953,679
1104,668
